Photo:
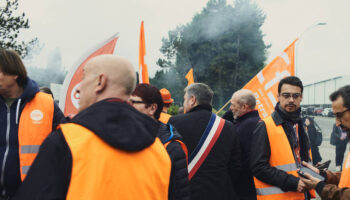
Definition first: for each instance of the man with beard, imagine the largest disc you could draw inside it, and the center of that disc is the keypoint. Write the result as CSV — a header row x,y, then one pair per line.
x,y
336,185
279,145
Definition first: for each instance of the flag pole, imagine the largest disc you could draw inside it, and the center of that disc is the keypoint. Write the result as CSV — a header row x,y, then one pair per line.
x,y
223,107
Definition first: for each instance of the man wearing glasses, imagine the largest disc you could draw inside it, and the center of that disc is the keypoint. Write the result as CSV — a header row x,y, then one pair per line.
x,y
336,185
279,145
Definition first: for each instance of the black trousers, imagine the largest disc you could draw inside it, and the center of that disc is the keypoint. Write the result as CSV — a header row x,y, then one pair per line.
x,y
340,148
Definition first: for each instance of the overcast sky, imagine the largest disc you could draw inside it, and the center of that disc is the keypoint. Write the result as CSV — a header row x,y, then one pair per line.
x,y
75,26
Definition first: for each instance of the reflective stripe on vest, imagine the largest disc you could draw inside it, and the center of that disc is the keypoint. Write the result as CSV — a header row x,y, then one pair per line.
x,y
34,125
100,171
164,117
345,174
281,158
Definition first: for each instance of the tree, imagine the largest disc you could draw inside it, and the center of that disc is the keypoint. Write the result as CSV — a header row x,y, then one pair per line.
x,y
223,44
10,26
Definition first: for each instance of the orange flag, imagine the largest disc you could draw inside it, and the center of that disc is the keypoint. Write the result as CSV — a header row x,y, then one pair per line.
x,y
69,100
265,84
143,71
189,77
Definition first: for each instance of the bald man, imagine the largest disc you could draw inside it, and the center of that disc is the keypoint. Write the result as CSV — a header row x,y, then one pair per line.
x,y
109,150
246,117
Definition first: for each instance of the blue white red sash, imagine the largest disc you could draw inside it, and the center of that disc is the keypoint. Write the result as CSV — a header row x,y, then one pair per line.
x,y
206,143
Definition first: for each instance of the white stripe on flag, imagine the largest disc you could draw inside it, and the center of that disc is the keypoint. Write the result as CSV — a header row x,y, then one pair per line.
x,y
205,144
285,58
140,74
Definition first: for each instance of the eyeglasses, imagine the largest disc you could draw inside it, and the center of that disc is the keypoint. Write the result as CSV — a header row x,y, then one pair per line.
x,y
288,95
339,115
135,102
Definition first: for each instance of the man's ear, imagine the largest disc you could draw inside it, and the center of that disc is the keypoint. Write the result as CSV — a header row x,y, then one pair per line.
x,y
101,83
153,108
193,100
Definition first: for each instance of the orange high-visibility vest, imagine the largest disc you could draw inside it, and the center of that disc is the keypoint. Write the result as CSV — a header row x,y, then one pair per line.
x,y
164,117
101,171
282,158
35,124
345,174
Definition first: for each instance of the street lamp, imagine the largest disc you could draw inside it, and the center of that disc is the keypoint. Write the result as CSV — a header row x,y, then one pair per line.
x,y
299,39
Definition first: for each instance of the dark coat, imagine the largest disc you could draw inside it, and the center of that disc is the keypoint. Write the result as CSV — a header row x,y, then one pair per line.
x,y
179,188
12,178
115,122
260,155
245,126
335,136
312,133
213,179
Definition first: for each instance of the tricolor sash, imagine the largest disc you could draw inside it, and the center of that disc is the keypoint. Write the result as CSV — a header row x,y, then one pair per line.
x,y
206,143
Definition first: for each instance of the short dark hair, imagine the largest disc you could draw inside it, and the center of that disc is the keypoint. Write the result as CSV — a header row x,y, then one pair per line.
x,y
291,80
202,92
46,90
150,95
344,92
11,64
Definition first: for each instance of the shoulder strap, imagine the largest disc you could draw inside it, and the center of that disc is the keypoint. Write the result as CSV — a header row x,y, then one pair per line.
x,y
183,146
206,143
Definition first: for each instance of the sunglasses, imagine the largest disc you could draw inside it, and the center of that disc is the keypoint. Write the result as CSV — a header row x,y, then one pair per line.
x,y
339,115
288,95
135,102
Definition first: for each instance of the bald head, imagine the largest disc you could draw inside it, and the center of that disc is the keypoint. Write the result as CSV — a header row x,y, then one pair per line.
x,y
245,97
119,72
242,101
106,76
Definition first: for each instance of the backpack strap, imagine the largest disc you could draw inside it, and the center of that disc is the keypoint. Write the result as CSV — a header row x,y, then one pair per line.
x,y
183,146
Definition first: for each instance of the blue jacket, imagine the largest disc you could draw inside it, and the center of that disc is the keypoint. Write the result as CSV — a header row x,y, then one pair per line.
x,y
9,156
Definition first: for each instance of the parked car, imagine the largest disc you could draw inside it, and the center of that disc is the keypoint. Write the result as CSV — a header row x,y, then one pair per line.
x,y
318,111
310,110
303,110
327,112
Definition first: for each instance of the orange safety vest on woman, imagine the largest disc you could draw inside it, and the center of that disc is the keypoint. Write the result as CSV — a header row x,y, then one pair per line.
x,y
35,124
100,171
345,174
282,158
164,117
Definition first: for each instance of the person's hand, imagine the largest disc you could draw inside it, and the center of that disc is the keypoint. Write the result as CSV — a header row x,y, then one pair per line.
x,y
311,167
302,187
310,181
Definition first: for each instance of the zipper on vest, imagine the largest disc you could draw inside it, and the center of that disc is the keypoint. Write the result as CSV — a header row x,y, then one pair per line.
x,y
3,192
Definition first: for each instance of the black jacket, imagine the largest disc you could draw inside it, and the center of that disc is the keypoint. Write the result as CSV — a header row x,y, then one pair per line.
x,y
179,184
117,123
213,179
313,137
11,172
245,126
260,155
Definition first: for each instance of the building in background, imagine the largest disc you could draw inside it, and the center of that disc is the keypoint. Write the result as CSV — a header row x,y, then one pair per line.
x,y
316,95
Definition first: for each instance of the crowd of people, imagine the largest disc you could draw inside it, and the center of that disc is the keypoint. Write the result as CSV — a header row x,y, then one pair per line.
x,y
123,144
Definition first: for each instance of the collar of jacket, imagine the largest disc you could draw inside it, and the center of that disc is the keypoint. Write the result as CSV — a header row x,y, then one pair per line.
x,y
277,118
119,124
201,107
253,113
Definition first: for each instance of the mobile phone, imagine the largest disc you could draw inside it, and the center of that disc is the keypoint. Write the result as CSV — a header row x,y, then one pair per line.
x,y
324,165
304,170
